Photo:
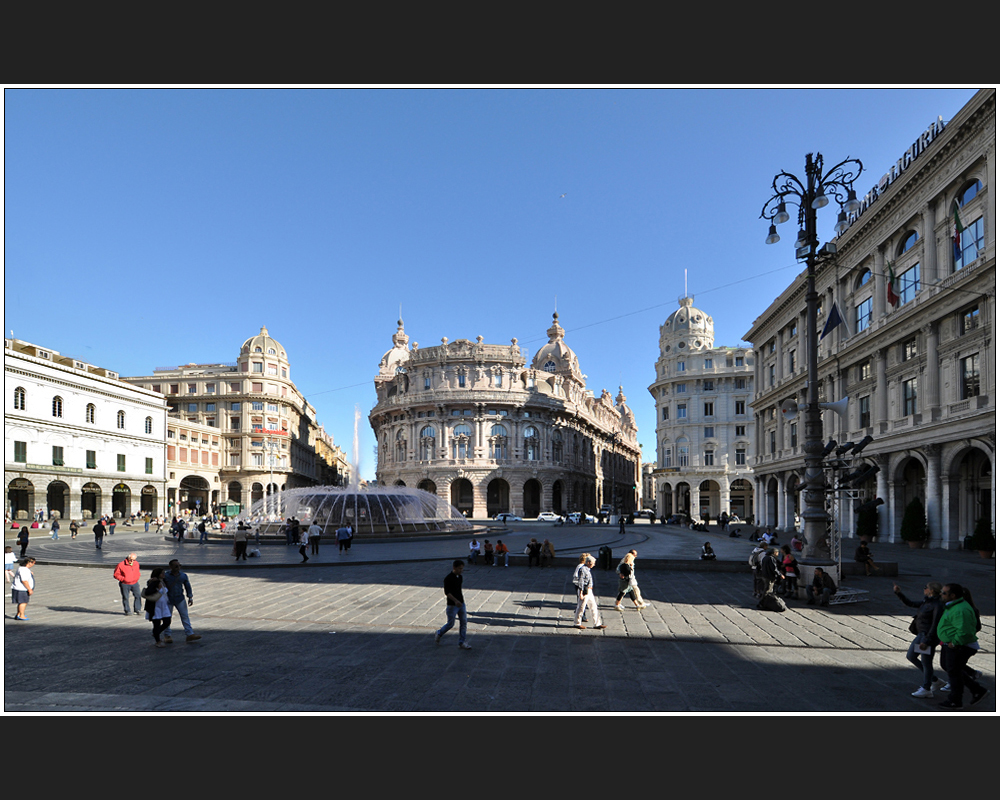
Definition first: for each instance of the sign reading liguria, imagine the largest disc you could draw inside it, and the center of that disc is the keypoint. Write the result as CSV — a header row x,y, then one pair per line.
x,y
902,163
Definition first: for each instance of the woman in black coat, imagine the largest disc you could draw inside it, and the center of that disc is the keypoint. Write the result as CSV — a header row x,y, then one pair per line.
x,y
925,628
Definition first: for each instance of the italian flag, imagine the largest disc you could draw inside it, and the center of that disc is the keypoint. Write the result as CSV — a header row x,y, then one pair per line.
x,y
891,295
958,235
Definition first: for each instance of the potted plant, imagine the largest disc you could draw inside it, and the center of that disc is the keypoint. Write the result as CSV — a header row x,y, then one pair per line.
x,y
867,527
983,539
914,528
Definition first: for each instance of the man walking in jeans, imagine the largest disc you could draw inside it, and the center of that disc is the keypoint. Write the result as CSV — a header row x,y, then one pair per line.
x,y
177,583
456,605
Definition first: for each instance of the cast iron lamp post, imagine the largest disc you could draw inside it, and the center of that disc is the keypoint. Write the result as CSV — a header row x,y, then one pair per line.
x,y
810,196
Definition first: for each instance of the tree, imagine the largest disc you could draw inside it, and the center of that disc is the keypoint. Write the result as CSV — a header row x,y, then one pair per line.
x,y
914,527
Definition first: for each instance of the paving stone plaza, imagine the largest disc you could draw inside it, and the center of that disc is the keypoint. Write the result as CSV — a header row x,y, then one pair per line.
x,y
355,633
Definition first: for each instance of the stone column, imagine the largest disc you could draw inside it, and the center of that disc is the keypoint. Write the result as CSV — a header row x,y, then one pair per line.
x,y
881,277
933,455
782,509
932,395
882,490
929,268
881,393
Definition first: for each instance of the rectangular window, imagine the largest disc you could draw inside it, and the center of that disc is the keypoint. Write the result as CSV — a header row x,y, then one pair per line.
x,y
256,406
864,371
865,411
863,315
171,453
149,466
57,456
681,366
258,366
272,369
121,462
739,361
91,459
682,411
770,346
257,459
970,376
770,374
234,423
910,397
709,458
741,407
909,349
709,409
21,452
682,455
173,388
793,330
969,321
666,413
667,454
791,361
156,387
209,407
708,363
741,458
708,386
740,383
192,408
234,387
681,388
257,388
709,432
909,284
971,244
192,388
461,381
793,431
210,388
741,430
773,441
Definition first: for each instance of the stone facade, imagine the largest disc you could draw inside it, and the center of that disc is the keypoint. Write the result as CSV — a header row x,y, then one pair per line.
x,y
266,429
478,426
78,441
703,420
919,376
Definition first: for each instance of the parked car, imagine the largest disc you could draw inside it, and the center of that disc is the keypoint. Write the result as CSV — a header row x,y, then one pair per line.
x,y
605,509
549,516
505,517
575,518
645,513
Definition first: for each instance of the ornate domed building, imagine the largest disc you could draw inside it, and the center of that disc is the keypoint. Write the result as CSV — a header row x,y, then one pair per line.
x,y
704,422
474,424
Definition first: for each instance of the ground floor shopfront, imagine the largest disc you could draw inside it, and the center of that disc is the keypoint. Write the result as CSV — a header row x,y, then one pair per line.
x,y
703,498
80,497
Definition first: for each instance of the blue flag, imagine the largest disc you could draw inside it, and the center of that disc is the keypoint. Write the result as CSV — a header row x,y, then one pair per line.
x,y
832,322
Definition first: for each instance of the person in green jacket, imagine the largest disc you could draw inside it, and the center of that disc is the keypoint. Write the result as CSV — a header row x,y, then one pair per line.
x,y
956,630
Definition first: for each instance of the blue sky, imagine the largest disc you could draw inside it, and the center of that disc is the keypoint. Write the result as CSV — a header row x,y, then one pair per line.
x,y
154,227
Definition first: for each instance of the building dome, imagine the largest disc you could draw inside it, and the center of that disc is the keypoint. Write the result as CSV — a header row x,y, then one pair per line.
x,y
263,344
689,324
556,356
395,358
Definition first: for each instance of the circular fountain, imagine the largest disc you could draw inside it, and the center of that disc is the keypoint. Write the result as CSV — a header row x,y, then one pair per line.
x,y
373,511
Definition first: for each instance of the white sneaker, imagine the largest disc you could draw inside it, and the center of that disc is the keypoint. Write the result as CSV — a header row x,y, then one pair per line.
x,y
922,692
946,687
939,684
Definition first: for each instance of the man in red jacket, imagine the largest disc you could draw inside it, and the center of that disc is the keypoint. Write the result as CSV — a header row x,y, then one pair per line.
x,y
127,575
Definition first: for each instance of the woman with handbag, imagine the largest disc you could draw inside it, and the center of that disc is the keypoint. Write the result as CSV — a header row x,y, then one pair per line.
x,y
923,626
157,606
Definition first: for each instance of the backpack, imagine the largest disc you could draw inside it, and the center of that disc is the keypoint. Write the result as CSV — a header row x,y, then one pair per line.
x,y
771,602
624,570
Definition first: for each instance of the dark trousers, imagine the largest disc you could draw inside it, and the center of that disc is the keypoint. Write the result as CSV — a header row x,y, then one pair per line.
x,y
302,552
314,545
241,550
954,661
159,626
136,593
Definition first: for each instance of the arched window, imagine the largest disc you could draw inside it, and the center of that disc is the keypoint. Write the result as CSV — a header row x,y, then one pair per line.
x,y
550,366
498,442
91,414
149,424
121,420
531,444
908,241
19,396
57,403
967,234
557,447
461,442
427,443
863,278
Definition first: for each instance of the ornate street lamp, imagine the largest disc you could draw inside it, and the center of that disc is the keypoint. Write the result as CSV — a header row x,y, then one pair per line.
x,y
809,196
